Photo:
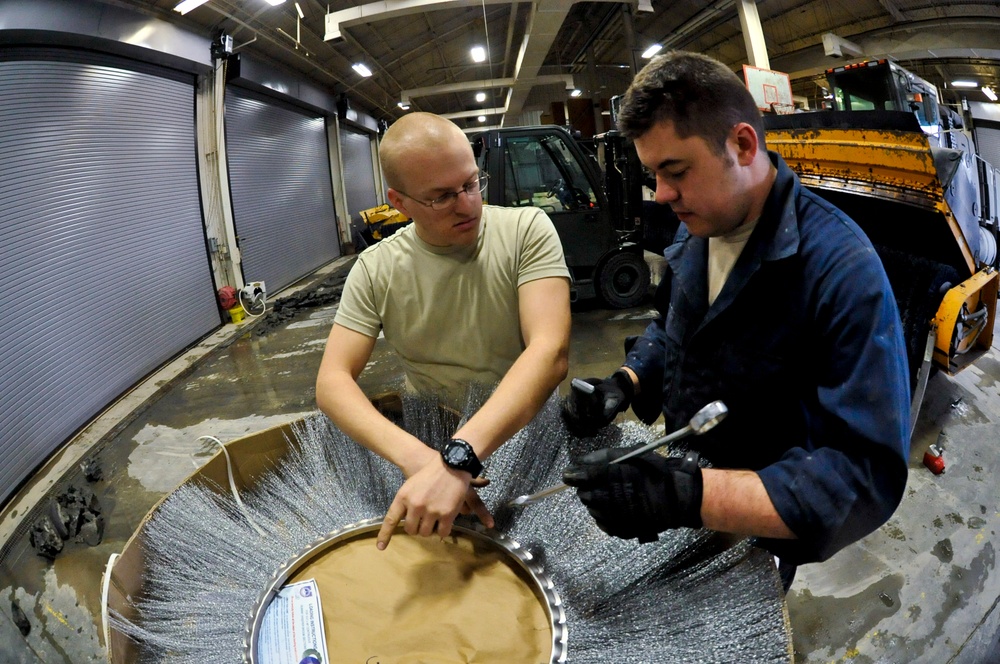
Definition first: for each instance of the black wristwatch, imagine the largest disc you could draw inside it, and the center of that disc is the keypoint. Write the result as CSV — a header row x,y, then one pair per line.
x,y
459,455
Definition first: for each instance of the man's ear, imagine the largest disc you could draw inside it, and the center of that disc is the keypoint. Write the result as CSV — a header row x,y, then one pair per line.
x,y
747,143
396,200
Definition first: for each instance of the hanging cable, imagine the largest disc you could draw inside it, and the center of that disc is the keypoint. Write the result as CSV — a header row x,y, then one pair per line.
x,y
232,483
257,300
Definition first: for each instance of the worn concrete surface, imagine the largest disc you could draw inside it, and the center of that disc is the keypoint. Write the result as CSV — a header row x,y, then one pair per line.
x,y
923,588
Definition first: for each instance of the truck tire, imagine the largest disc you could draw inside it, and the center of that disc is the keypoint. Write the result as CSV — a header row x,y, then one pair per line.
x,y
623,280
918,284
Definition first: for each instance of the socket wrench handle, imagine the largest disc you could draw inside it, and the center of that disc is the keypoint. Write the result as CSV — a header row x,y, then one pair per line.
x,y
703,420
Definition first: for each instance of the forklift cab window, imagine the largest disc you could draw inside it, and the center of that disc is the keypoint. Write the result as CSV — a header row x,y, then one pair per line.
x,y
543,172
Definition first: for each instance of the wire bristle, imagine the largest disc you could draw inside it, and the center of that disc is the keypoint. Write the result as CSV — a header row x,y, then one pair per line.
x,y
684,598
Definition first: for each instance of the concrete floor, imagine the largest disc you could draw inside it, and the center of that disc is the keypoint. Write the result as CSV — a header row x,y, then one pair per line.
x,y
923,588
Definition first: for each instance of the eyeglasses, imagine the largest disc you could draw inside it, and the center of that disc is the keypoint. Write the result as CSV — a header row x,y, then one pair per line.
x,y
446,201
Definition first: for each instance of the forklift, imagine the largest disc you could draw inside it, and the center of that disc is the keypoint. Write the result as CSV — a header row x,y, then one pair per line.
x,y
593,196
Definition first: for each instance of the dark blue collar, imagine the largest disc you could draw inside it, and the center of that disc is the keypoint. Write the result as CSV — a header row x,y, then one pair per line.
x,y
776,237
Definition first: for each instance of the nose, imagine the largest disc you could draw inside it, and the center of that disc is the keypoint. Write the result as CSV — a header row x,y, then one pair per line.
x,y
464,202
665,193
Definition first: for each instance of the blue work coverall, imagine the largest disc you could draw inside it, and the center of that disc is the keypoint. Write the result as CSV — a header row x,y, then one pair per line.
x,y
804,345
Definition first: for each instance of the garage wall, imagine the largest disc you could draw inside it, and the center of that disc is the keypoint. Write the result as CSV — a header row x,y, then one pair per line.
x,y
280,184
103,264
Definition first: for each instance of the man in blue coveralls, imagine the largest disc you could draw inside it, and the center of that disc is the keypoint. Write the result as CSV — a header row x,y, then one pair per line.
x,y
774,302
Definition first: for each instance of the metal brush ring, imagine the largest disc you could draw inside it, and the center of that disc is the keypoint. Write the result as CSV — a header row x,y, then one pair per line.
x,y
542,583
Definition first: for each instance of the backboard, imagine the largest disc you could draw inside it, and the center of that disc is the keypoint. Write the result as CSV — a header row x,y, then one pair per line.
x,y
772,90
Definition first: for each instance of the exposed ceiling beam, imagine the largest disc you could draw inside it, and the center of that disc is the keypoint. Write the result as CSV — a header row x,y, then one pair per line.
x,y
385,9
483,84
890,6
474,114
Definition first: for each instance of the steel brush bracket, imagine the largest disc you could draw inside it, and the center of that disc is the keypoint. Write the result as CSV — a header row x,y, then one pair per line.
x,y
703,420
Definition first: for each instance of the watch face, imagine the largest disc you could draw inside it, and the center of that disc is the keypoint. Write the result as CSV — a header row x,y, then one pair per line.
x,y
456,454
459,455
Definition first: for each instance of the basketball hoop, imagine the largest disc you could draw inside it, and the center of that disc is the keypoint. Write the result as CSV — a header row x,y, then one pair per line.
x,y
772,90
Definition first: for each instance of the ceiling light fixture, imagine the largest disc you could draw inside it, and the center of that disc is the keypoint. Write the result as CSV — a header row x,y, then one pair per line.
x,y
988,91
274,3
480,96
651,51
359,67
403,105
187,5
478,54
482,118
302,14
964,84
576,93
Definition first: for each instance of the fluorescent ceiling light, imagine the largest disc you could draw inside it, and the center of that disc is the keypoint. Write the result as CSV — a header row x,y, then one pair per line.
x,y
480,96
360,68
651,51
964,84
403,105
482,118
274,2
302,14
988,91
478,54
576,93
187,5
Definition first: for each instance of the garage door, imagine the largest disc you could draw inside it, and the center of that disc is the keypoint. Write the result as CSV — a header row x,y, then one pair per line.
x,y
359,171
988,140
279,179
104,274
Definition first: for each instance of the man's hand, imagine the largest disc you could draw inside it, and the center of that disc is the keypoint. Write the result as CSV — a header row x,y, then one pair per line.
x,y
587,412
429,501
639,497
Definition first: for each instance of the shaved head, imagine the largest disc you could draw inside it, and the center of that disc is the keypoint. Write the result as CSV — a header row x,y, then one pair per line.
x,y
416,132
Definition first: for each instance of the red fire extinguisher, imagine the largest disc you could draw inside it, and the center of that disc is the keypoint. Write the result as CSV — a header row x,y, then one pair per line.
x,y
934,459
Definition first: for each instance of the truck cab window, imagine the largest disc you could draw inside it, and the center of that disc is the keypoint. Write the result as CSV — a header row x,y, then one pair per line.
x,y
543,172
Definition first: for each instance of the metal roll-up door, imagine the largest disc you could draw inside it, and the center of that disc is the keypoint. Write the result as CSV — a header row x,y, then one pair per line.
x,y
279,175
359,171
988,141
104,272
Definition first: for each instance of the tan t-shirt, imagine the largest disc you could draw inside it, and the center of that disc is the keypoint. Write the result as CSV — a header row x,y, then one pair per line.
x,y
723,251
451,313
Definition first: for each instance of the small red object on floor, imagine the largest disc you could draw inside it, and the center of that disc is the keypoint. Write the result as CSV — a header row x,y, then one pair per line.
x,y
934,459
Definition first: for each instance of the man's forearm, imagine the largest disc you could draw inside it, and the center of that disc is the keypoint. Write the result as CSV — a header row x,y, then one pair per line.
x,y
519,396
353,413
735,501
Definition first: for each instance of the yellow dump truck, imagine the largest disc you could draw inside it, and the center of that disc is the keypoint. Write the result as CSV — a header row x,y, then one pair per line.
x,y
904,168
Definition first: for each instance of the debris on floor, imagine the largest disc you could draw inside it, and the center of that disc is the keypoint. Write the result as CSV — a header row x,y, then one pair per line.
x,y
326,292
20,620
74,513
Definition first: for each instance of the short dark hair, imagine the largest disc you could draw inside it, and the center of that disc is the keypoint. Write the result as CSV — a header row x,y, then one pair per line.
x,y
698,94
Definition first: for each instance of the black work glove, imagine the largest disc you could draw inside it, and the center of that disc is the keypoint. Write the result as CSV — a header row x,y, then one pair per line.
x,y
587,413
639,497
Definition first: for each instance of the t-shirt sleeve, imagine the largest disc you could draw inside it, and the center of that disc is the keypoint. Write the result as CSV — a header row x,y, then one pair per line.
x,y
358,310
541,254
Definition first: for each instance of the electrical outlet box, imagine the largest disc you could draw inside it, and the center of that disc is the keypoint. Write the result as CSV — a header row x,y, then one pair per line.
x,y
255,288
254,295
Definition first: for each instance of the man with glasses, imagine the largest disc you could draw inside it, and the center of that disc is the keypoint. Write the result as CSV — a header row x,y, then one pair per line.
x,y
772,301
466,294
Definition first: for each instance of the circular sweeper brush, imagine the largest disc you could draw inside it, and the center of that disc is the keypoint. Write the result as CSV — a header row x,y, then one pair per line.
x,y
545,586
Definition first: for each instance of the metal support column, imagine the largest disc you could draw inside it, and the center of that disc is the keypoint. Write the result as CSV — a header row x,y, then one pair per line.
x,y
753,34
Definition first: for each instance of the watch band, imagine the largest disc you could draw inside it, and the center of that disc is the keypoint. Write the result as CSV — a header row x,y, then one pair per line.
x,y
458,454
